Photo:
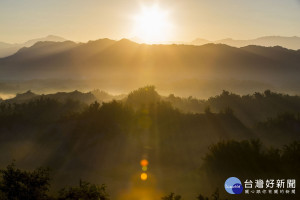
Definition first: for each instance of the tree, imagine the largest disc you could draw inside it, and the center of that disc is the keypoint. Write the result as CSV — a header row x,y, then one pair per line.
x,y
201,197
143,97
207,110
85,191
216,195
171,196
17,184
228,111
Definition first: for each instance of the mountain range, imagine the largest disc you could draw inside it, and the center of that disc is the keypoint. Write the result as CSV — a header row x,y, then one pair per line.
x,y
126,64
7,49
267,41
127,58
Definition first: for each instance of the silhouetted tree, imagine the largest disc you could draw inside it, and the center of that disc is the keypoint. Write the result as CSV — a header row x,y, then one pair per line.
x,y
171,196
201,197
17,184
216,195
207,110
143,97
228,111
84,191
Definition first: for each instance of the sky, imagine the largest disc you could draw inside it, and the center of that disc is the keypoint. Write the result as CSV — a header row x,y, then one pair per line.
x,y
83,20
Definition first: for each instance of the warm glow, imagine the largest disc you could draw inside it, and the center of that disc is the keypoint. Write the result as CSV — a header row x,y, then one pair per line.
x,y
144,162
152,25
144,176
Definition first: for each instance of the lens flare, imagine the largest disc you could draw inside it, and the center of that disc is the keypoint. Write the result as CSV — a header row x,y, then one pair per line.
x,y
144,162
144,168
144,176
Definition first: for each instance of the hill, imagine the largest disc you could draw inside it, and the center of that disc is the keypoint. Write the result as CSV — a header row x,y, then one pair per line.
x,y
268,104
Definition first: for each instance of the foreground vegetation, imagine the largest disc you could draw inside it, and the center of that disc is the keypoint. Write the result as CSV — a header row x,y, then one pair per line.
x,y
22,185
103,142
251,161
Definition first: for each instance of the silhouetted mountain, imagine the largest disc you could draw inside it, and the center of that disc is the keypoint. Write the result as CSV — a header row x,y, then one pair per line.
x,y
7,49
107,57
268,41
50,38
201,41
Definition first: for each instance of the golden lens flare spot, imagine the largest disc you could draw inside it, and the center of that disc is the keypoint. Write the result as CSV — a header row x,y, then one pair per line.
x,y
144,176
144,162
144,168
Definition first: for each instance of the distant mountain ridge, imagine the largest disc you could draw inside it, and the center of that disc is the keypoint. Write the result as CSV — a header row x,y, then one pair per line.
x,y
7,49
267,41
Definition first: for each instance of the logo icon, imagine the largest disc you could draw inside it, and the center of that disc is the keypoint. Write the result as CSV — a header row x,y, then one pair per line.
x,y
233,185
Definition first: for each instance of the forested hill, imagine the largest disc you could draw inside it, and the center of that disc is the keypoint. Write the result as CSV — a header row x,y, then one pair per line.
x,y
101,142
246,107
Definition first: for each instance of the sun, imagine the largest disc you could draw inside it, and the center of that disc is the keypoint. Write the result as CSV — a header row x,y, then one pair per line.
x,y
152,25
